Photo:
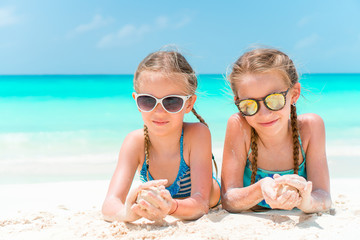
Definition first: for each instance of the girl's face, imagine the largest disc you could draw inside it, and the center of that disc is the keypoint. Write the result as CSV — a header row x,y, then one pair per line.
x,y
259,85
159,85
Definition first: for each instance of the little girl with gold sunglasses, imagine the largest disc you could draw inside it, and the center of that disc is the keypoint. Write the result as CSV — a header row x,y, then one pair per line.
x,y
272,157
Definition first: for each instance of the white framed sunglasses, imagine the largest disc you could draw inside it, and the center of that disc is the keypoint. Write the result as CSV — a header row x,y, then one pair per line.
x,y
171,103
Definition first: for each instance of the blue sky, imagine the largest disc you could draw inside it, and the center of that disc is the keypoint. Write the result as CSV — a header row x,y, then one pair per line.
x,y
113,36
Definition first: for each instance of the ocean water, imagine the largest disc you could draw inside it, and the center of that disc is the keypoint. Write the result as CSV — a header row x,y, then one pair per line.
x,y
70,127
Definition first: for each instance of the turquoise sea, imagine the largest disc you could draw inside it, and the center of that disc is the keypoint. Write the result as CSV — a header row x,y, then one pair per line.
x,y
70,127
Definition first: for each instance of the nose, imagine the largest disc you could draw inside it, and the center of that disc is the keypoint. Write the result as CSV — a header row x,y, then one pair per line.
x,y
263,110
159,108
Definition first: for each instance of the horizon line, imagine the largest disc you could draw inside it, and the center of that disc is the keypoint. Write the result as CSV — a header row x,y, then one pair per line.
x,y
131,74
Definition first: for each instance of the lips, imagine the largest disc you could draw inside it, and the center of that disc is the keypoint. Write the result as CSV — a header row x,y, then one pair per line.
x,y
160,123
268,124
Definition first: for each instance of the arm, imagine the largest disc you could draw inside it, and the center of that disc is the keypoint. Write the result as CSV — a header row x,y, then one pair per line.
x,y
235,197
315,192
197,137
117,204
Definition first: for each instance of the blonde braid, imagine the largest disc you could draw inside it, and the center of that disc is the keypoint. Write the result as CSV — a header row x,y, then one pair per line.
x,y
203,122
295,136
199,117
254,150
147,151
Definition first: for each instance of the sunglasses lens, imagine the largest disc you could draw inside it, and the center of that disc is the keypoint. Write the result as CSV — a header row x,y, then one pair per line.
x,y
146,103
173,104
248,107
275,101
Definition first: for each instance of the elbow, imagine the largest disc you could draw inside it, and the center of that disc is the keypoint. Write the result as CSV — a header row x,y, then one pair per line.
x,y
201,209
106,213
230,207
233,204
108,218
321,202
327,203
229,204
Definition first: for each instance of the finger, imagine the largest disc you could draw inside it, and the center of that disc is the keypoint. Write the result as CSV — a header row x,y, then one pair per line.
x,y
308,187
276,176
131,197
162,201
296,183
166,195
283,198
150,212
269,195
269,190
143,213
272,192
155,199
292,199
289,177
273,204
154,183
136,208
298,203
145,206
296,200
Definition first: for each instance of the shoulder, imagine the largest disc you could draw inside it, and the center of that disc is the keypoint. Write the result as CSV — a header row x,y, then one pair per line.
x,y
135,135
311,122
237,121
196,130
237,125
312,128
134,139
132,149
238,133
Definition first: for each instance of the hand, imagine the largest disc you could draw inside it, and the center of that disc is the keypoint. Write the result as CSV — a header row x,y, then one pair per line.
x,y
268,189
280,196
304,187
131,207
153,203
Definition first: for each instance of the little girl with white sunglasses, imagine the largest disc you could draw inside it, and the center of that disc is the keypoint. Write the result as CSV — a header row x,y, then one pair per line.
x,y
173,157
272,157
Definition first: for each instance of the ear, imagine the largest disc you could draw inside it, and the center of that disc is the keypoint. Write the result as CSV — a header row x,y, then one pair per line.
x,y
295,92
190,103
133,95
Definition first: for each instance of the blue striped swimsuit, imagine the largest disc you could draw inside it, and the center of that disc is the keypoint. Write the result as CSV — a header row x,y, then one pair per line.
x,y
261,173
181,187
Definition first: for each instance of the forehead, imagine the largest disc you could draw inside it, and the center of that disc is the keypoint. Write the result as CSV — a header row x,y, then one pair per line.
x,y
160,84
257,85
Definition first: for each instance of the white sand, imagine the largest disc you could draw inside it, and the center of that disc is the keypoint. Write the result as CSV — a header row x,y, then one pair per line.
x,y
71,210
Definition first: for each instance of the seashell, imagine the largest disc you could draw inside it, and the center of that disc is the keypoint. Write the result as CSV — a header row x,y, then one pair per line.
x,y
286,188
145,195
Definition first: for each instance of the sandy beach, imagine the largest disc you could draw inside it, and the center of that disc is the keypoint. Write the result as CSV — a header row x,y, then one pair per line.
x,y
71,210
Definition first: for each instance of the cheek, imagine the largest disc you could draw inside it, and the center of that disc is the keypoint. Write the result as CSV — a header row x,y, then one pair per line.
x,y
145,115
286,110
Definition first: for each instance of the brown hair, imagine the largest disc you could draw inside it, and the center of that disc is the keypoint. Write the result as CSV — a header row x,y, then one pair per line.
x,y
263,60
167,62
